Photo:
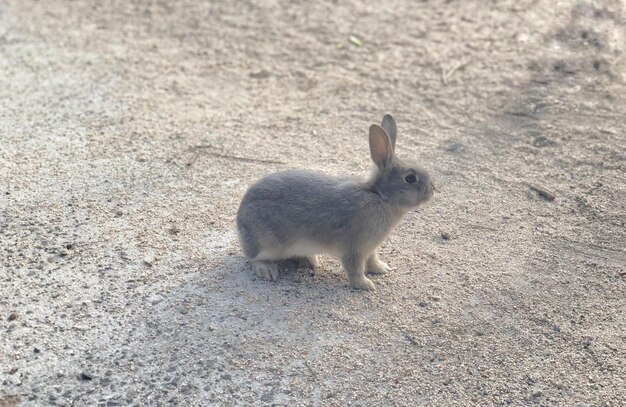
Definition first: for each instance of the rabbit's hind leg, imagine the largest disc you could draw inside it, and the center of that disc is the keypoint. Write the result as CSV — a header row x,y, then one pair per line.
x,y
310,262
267,270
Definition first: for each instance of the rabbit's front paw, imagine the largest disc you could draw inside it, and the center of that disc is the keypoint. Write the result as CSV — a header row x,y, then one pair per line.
x,y
265,270
363,283
376,266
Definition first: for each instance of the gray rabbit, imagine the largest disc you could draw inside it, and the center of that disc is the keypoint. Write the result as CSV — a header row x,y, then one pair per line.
x,y
300,214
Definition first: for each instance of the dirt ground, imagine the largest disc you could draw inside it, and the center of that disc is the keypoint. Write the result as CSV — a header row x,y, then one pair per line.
x,y
130,130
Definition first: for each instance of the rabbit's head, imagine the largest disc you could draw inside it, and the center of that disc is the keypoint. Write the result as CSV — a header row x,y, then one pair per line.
x,y
400,182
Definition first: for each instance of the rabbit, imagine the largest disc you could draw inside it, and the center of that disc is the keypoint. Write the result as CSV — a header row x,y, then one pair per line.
x,y
301,214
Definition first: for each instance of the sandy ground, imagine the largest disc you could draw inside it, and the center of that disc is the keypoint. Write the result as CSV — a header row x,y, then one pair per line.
x,y
130,130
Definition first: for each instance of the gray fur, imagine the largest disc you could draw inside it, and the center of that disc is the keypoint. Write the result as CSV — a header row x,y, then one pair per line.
x,y
304,213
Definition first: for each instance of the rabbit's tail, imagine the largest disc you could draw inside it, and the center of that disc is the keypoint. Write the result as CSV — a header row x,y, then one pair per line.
x,y
249,242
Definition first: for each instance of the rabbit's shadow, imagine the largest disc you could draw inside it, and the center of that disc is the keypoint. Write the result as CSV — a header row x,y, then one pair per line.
x,y
223,297
221,316
295,275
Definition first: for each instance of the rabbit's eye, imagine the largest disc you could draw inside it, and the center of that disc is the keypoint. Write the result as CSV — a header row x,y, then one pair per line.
x,y
410,179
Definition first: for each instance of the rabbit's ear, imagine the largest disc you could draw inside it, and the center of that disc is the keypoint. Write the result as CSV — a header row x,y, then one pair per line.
x,y
380,147
389,124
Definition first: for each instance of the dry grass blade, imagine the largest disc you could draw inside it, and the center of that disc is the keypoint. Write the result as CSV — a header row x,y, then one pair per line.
x,y
196,150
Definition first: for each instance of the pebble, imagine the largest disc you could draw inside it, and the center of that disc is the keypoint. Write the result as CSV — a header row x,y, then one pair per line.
x,y
262,74
155,299
542,141
454,147
85,376
267,397
148,260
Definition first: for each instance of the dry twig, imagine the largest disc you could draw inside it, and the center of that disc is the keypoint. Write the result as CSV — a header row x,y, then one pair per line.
x,y
547,195
446,75
228,156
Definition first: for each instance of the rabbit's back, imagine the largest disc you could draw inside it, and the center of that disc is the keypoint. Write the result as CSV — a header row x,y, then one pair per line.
x,y
298,211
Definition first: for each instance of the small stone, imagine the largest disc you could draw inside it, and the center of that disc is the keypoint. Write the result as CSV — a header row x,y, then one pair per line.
x,y
454,147
542,141
445,235
537,393
12,316
13,370
148,260
155,299
262,74
267,397
85,376
435,298
36,350
174,230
